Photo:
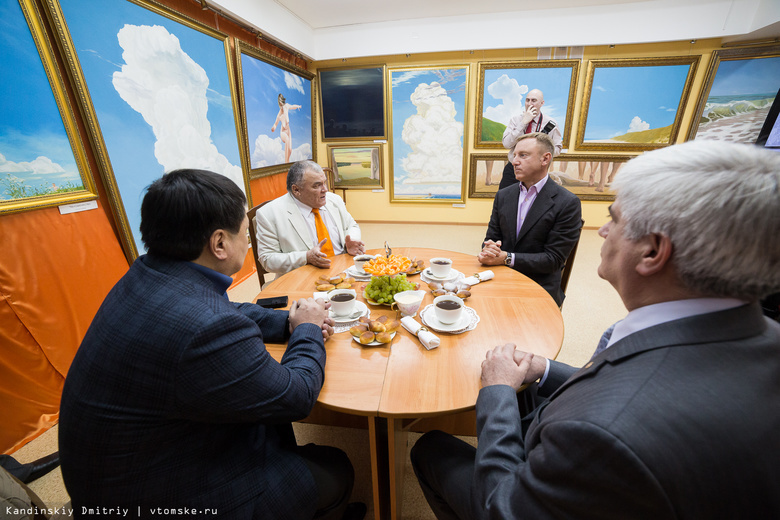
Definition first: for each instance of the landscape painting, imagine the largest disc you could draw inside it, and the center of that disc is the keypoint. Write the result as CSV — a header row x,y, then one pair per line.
x,y
160,97
635,104
738,93
356,167
42,161
428,117
276,98
503,87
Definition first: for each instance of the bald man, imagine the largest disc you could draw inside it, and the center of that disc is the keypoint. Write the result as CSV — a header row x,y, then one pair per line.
x,y
531,120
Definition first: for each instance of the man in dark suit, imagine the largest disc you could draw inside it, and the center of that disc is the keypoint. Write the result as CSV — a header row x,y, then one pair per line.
x,y
172,404
535,223
677,414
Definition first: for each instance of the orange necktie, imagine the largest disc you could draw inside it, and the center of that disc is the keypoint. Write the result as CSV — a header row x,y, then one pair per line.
x,y
322,232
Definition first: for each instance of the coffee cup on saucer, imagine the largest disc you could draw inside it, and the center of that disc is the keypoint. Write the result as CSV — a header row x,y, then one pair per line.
x,y
440,267
342,301
448,308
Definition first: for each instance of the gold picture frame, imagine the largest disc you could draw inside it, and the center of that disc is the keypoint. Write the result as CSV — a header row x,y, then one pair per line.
x,y
22,197
741,91
557,79
271,77
635,104
356,166
133,144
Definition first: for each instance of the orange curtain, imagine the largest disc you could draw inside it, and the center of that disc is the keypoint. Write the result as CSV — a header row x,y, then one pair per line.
x,y
55,271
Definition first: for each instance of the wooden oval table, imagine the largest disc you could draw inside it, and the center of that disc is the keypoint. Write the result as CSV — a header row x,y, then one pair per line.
x,y
399,383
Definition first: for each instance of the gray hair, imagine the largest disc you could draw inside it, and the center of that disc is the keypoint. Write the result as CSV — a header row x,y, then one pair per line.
x,y
719,204
543,141
296,171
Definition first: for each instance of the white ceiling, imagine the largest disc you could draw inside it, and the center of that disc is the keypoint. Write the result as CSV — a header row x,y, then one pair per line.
x,y
330,29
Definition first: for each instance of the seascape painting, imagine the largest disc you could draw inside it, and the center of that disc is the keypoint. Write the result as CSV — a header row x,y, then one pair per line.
x,y
503,87
739,100
38,166
277,106
162,94
428,117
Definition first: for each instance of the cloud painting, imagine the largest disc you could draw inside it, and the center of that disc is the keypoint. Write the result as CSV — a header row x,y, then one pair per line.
x,y
428,115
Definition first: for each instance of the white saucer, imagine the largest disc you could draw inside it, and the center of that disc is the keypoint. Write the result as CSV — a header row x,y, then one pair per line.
x,y
468,320
358,275
361,309
375,343
427,276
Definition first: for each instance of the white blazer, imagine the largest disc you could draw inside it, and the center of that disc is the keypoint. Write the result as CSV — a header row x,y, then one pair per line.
x,y
283,237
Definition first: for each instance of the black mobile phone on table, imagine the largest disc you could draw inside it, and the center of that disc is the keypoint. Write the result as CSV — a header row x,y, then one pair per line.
x,y
276,302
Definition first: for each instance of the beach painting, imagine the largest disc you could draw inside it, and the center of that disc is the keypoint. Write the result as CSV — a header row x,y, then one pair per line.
x,y
356,167
41,159
276,99
635,104
738,102
587,176
503,87
427,120
160,97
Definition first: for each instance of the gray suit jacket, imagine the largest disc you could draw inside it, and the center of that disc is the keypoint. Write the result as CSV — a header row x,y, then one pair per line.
x,y
549,232
283,237
681,420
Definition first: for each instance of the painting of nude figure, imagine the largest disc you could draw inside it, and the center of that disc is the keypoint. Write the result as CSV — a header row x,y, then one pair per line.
x,y
587,176
276,101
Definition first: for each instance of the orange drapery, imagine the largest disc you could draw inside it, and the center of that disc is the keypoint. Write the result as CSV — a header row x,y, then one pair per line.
x,y
55,271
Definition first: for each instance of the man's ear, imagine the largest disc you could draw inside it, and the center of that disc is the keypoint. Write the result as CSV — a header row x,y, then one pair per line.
x,y
546,158
217,245
656,253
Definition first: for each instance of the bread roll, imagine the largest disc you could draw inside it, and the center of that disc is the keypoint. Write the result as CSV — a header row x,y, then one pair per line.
x,y
366,338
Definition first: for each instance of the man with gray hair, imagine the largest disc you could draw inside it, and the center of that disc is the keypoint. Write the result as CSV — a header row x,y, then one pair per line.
x,y
678,412
307,225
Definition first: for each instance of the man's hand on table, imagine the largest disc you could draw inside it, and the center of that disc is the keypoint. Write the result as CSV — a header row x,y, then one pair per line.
x,y
491,254
505,365
316,257
313,311
354,247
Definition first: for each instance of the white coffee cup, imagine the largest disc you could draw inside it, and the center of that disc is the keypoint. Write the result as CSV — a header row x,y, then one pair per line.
x,y
360,260
448,308
342,301
440,267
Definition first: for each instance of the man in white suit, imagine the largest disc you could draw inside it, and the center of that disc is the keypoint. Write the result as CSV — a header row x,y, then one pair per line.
x,y
677,414
286,228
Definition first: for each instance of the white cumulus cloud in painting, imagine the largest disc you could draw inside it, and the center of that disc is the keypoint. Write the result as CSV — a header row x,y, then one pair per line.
x,y
434,136
512,96
293,82
269,152
637,125
169,89
39,165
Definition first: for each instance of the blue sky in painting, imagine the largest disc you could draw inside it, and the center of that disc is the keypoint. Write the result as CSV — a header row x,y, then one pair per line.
x,y
33,142
505,90
625,99
193,128
750,76
428,158
263,83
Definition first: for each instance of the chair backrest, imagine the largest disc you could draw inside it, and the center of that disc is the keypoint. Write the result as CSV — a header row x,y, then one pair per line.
x,y
567,267
331,178
261,272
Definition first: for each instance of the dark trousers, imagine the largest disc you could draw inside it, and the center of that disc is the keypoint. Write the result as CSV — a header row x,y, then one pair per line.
x,y
444,466
334,476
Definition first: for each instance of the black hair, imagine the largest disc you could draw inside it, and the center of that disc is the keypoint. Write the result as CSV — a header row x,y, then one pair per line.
x,y
182,209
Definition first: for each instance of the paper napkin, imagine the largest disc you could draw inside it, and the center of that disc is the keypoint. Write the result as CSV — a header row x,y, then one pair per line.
x,y
428,339
479,277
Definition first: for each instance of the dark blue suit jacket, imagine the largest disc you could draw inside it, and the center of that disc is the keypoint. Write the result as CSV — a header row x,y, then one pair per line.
x,y
549,232
173,401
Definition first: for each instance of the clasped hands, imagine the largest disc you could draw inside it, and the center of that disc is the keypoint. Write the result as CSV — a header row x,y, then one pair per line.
x,y
317,258
492,254
505,365
309,310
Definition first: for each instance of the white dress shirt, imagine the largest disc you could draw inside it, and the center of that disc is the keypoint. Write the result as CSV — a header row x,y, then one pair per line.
x,y
333,230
